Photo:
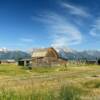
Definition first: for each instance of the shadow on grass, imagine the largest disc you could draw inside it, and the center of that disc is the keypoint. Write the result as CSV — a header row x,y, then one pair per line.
x,y
92,83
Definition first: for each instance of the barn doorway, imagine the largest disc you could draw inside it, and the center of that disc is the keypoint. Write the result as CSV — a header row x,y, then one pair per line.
x,y
21,63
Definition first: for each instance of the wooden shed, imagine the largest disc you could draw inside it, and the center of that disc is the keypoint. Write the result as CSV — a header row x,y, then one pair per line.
x,y
91,61
24,62
9,61
46,56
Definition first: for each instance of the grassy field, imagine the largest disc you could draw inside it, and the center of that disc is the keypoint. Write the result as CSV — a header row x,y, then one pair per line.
x,y
56,83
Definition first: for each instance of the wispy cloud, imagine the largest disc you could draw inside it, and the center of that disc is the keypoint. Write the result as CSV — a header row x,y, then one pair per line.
x,y
62,32
76,10
28,40
95,31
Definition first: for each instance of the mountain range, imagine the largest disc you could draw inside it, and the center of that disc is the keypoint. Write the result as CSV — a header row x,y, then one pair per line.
x,y
75,55
65,53
16,55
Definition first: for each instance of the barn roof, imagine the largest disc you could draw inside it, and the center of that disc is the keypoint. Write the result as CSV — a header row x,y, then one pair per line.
x,y
39,53
42,52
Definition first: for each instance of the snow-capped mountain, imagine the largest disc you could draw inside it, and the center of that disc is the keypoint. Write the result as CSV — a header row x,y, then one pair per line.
x,y
64,49
73,54
13,54
3,50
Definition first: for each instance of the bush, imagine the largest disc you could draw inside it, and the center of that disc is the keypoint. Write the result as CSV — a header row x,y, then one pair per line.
x,y
70,93
92,84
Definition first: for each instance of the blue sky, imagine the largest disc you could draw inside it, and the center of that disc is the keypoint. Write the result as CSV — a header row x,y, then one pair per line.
x,y
26,24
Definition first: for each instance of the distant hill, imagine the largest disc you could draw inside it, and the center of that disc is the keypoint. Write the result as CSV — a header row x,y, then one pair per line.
x,y
72,54
4,55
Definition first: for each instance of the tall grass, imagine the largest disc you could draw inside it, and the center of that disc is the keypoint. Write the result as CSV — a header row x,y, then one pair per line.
x,y
70,93
64,93
40,83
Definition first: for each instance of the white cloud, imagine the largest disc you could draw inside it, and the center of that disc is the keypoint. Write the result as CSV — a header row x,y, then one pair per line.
x,y
75,10
95,31
63,33
26,40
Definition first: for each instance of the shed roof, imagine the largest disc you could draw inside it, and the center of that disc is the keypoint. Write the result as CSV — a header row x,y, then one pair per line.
x,y
25,60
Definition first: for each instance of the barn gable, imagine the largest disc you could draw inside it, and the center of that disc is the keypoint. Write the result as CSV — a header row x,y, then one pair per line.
x,y
47,52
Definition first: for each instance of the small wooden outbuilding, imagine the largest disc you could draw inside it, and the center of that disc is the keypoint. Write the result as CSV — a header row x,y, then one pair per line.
x,y
9,61
91,61
24,62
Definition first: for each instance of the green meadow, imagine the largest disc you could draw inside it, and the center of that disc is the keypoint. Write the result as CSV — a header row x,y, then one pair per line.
x,y
73,82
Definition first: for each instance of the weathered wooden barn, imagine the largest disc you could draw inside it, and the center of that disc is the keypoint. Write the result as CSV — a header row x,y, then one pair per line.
x,y
44,57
